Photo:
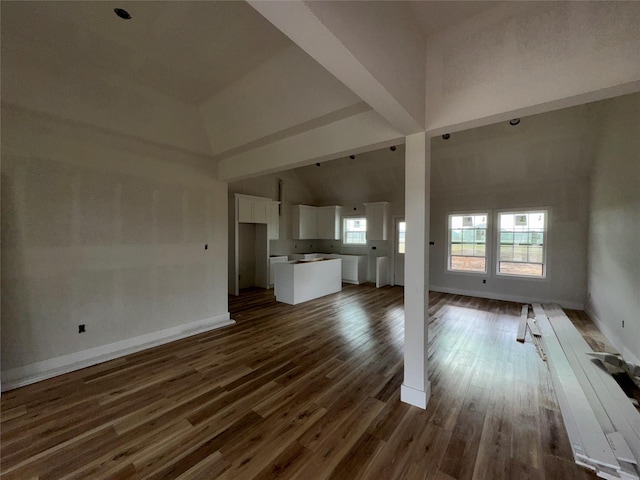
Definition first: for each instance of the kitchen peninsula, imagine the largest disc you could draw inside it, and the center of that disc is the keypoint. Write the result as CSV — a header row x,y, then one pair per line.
x,y
302,280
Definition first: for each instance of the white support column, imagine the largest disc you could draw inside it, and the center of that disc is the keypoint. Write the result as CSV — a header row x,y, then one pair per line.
x,y
416,387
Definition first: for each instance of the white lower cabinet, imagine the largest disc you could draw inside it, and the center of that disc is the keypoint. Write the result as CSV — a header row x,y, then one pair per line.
x,y
273,261
354,268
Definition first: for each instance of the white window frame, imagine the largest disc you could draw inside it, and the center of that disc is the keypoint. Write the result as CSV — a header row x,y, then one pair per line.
x,y
487,248
545,245
344,231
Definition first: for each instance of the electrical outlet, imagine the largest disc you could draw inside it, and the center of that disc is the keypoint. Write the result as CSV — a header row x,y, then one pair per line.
x,y
484,280
206,246
81,328
622,323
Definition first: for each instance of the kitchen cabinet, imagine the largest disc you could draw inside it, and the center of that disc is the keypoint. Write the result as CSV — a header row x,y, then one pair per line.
x,y
313,223
301,281
273,220
273,261
252,209
354,268
377,220
328,219
304,222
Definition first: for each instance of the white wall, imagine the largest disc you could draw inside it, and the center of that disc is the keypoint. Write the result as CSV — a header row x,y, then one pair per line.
x,y
106,231
103,102
614,232
530,57
542,162
566,249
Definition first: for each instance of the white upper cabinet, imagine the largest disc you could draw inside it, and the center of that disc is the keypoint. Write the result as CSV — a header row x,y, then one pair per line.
x,y
245,209
304,222
252,209
329,222
377,220
321,223
273,220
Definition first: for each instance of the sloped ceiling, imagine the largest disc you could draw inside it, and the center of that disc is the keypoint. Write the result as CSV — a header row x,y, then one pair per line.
x,y
187,50
210,77
543,148
434,17
217,78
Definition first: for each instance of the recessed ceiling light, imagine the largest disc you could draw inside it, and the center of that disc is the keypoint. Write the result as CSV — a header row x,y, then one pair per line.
x,y
446,136
514,121
122,13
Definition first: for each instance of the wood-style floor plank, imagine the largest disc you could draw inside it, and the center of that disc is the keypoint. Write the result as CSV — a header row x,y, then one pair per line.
x,y
308,391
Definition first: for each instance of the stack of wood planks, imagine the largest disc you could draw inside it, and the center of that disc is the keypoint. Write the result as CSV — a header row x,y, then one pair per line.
x,y
534,330
601,422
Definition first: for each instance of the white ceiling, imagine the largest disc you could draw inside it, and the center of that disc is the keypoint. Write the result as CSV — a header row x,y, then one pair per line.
x,y
435,16
187,50
548,147
193,50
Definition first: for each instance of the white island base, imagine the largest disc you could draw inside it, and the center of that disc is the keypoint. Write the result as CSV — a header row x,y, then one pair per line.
x,y
300,281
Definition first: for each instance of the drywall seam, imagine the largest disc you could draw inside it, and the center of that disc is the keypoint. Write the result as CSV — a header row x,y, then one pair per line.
x,y
35,372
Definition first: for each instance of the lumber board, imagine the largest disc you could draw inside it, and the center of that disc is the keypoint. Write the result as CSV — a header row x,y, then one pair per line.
x,y
533,327
620,448
587,387
522,326
624,417
588,439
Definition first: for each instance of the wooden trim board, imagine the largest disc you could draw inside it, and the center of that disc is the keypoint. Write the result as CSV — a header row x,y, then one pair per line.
x,y
589,444
533,327
624,418
522,326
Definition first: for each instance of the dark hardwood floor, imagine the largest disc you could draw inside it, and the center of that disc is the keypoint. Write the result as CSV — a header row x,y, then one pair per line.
x,y
309,392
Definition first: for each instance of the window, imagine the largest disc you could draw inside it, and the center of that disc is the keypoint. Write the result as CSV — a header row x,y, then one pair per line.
x,y
521,243
354,231
468,243
402,230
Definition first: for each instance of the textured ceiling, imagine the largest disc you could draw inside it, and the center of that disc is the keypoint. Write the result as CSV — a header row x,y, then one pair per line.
x,y
187,50
552,146
436,16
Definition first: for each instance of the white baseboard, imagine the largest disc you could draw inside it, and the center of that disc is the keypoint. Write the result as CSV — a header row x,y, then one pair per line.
x,y
613,339
35,372
506,297
414,397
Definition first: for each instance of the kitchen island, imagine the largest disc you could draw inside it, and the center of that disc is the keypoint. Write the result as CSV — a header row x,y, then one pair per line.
x,y
301,280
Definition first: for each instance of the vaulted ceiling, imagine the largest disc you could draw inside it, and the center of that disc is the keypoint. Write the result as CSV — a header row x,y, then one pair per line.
x,y
187,50
214,78
219,80
550,147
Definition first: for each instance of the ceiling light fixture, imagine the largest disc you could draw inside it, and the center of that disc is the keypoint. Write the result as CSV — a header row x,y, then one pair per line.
x,y
514,121
122,13
392,148
446,136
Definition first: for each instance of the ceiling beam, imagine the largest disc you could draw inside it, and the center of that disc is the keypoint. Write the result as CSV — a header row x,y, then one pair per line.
x,y
353,60
352,135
